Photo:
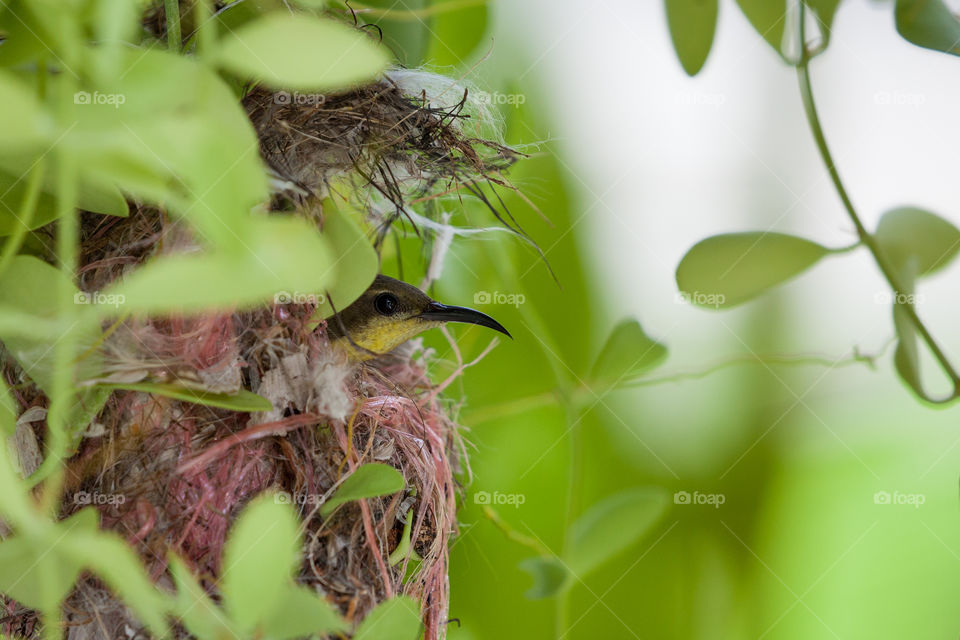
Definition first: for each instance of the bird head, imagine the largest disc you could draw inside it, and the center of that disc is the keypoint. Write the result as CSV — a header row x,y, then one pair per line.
x,y
389,313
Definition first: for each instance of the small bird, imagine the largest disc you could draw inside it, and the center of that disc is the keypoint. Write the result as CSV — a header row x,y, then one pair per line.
x,y
391,312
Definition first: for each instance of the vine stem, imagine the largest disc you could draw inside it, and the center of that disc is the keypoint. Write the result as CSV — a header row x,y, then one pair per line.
x,y
171,10
889,273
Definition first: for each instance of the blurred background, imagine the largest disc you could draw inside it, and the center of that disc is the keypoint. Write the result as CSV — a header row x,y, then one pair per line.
x,y
832,501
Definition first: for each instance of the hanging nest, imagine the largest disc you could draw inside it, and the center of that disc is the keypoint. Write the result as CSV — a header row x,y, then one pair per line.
x,y
171,476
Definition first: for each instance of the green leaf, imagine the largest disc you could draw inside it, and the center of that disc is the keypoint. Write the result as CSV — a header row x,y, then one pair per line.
x,y
825,10
692,25
170,131
627,353
296,51
300,613
612,525
396,619
24,123
356,259
405,34
91,197
729,269
258,561
929,24
37,570
768,17
243,400
907,232
549,575
194,607
285,254
456,34
34,286
368,481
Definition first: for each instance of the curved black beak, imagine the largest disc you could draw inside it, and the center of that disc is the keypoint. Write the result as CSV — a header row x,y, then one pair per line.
x,y
437,312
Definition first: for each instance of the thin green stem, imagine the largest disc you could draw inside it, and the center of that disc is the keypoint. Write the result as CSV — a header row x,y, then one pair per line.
x,y
171,10
206,28
888,271
64,351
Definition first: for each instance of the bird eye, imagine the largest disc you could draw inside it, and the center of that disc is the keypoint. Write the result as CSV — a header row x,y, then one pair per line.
x,y
386,304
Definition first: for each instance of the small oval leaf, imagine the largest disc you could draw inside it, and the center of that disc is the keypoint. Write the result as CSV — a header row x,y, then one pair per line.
x,y
258,560
368,481
907,232
692,25
612,525
301,52
726,270
768,17
627,353
929,24
549,575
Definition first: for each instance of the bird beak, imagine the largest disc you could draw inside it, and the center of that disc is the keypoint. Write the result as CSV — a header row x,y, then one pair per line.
x,y
437,312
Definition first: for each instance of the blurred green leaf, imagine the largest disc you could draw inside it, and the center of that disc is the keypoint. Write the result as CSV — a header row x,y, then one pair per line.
x,y
301,52
456,34
34,286
37,571
612,525
396,619
692,25
627,353
729,269
237,14
287,255
549,575
368,481
356,259
768,17
169,130
908,232
258,561
194,607
243,400
301,612
24,123
929,24
405,34
91,197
